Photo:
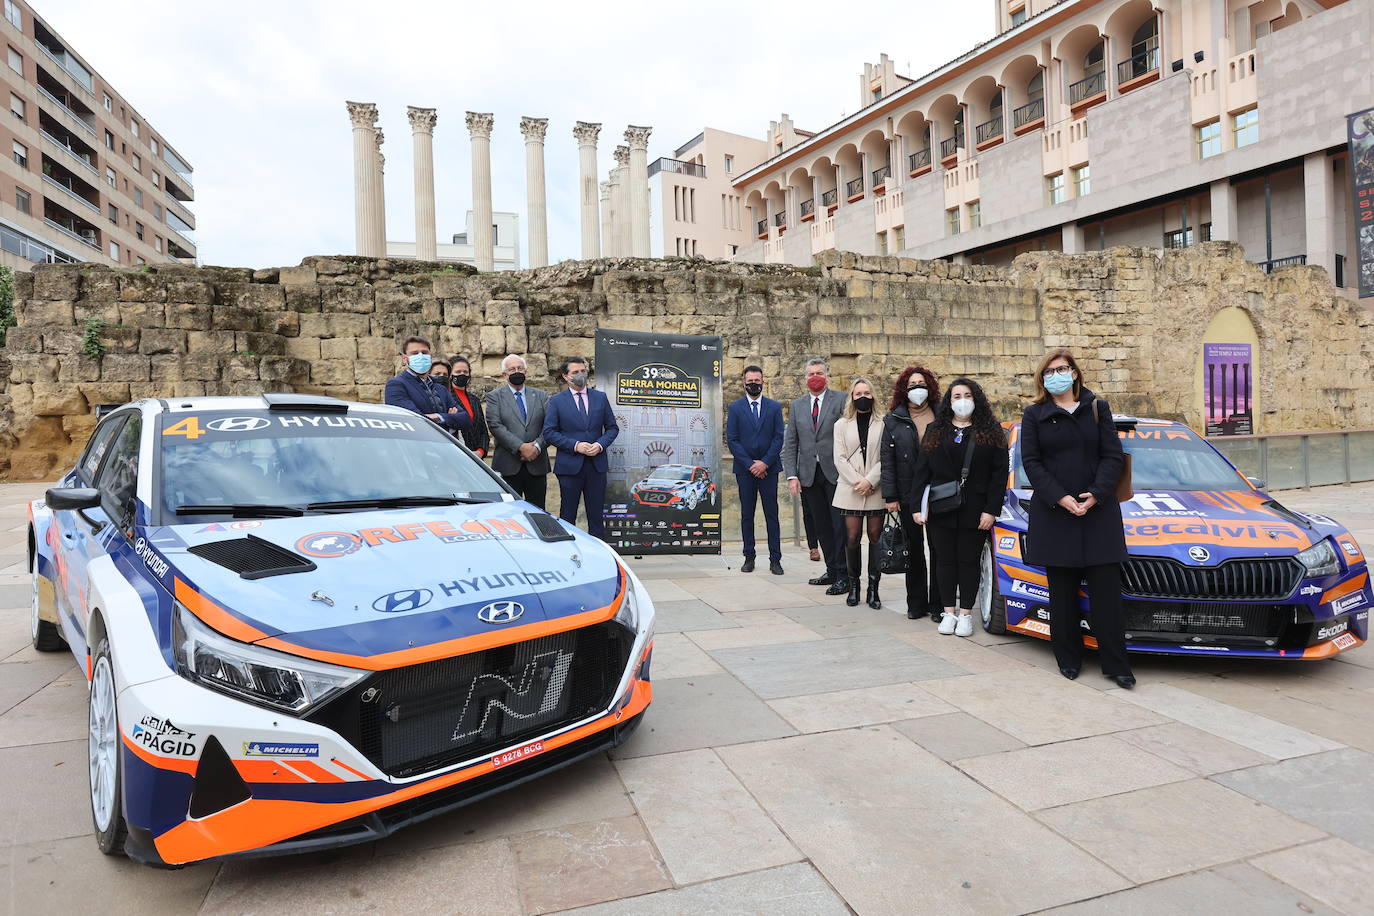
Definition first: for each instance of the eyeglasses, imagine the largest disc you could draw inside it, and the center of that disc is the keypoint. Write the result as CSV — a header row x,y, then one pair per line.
x,y
1058,370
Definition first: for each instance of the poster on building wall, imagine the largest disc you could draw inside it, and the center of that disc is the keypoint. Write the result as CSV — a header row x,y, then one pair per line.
x,y
1360,134
663,494
1227,389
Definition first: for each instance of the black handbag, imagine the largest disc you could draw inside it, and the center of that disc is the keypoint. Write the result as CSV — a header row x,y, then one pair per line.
x,y
949,496
893,552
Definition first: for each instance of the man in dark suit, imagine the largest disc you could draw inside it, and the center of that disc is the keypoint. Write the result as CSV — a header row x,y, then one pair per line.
x,y
515,416
808,460
754,432
580,424
414,390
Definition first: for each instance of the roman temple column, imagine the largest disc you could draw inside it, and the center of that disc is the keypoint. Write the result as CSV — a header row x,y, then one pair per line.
x,y
363,116
620,201
479,127
533,130
638,139
586,133
422,121
379,201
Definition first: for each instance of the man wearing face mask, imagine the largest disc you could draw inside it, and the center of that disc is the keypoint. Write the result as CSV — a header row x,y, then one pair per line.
x,y
515,415
754,432
808,460
579,422
414,390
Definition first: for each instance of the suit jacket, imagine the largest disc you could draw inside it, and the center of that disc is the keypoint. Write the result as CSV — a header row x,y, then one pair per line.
x,y
565,426
510,430
424,396
752,441
853,464
802,446
475,436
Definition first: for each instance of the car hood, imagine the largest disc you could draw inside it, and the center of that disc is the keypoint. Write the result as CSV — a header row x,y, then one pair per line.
x,y
391,581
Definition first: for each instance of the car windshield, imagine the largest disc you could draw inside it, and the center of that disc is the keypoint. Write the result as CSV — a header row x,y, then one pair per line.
x,y
671,474
240,460
1168,458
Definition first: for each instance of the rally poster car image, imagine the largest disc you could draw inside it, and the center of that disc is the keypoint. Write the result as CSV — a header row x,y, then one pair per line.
x,y
1215,566
675,486
307,623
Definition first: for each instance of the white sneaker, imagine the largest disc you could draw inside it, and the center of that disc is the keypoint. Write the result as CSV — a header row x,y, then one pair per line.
x,y
965,625
947,623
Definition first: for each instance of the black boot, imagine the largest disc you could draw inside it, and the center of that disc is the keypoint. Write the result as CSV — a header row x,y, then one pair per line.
x,y
915,596
852,559
873,576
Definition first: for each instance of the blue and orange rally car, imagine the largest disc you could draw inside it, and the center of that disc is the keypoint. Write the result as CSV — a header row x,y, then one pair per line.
x,y
308,623
1216,566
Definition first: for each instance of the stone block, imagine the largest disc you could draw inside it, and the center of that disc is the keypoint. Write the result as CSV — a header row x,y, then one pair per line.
x,y
255,297
85,310
77,368
188,316
517,339
31,465
339,348
153,341
208,342
283,369
124,367
254,343
56,281
62,343
193,291
32,367
188,389
234,318
44,312
240,368
399,299
297,275
302,298
339,325
307,348
284,323
372,371
384,348
104,392
355,299
332,372
493,340
52,399
141,287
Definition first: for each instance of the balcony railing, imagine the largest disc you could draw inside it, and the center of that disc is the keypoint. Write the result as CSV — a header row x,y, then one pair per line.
x,y
70,113
60,186
918,160
65,231
880,175
988,130
780,219
830,198
1141,64
761,227
179,166
1091,85
677,167
69,66
854,187
1033,110
1296,260
951,146
69,151
808,208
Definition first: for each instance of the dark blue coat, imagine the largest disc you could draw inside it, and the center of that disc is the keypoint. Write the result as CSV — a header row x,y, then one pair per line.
x,y
423,395
750,441
565,426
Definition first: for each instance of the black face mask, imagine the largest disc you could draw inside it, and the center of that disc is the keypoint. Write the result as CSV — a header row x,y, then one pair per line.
x,y
441,379
754,388
516,378
863,405
461,381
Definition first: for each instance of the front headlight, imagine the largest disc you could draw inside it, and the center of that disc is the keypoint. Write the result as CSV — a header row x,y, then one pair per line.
x,y
1320,559
628,615
262,676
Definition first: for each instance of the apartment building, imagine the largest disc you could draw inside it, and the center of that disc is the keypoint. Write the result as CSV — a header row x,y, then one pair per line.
x,y
1085,124
88,178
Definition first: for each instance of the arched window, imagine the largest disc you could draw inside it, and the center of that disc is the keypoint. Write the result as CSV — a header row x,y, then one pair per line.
x,y
1093,61
1035,89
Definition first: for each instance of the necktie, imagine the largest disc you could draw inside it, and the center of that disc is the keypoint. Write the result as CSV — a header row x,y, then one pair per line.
x,y
815,414
520,400
581,402
755,405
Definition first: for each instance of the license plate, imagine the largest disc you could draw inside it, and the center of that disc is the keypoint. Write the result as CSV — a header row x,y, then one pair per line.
x,y
516,755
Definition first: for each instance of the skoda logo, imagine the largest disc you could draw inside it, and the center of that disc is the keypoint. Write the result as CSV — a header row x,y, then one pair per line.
x,y
238,424
409,599
501,612
1199,554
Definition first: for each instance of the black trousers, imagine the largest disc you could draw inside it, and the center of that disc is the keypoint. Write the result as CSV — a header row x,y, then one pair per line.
x,y
532,488
830,533
809,526
958,555
751,491
922,592
587,486
1108,617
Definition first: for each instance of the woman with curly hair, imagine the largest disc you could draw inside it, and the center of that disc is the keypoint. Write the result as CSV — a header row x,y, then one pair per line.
x,y
912,410
965,445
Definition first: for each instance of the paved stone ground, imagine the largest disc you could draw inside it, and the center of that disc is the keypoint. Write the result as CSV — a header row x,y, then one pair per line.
x,y
803,757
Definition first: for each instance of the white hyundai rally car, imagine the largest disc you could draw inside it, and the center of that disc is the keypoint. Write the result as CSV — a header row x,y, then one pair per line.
x,y
307,623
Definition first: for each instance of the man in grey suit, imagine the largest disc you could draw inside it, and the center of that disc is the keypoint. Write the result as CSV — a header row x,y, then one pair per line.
x,y
808,460
515,416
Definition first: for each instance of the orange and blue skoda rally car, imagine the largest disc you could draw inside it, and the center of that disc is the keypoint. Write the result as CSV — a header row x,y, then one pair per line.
x,y
307,623
1216,566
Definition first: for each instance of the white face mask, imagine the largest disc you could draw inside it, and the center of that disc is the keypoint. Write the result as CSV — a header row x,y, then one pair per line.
x,y
917,396
963,408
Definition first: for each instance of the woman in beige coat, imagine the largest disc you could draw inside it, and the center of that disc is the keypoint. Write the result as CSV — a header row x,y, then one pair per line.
x,y
858,495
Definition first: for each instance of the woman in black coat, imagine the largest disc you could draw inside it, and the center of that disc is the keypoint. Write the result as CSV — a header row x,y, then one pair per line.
x,y
1073,457
912,411
963,423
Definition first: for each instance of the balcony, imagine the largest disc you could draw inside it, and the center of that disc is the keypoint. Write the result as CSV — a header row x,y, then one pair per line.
x,y
70,65
70,225
988,132
62,106
76,156
918,160
70,192
1135,69
780,219
880,176
1029,113
1296,260
807,209
677,167
950,148
830,198
761,228
178,166
854,189
30,249
1094,84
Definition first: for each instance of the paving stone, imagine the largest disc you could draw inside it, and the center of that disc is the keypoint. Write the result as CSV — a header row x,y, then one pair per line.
x,y
797,890
1193,749
55,799
689,797
745,636
1229,889
957,735
1342,672
820,712
1335,715
839,619
667,590
1168,830
970,656
747,595
1333,871
21,680
758,618
57,712
709,711
586,863
832,664
897,826
677,656
14,631
1334,791
1070,771
679,616
478,878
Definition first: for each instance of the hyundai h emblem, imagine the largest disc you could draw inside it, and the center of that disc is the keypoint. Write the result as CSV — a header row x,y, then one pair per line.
x,y
1199,554
501,612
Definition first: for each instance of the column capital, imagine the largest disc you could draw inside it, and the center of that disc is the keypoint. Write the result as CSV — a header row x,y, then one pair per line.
x,y
586,132
622,156
638,137
533,129
479,124
422,120
379,138
362,114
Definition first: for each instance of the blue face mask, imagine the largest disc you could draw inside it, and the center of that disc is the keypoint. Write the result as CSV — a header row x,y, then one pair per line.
x,y
419,363
1058,384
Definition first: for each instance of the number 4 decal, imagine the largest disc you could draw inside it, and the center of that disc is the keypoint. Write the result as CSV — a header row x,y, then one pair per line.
x,y
190,428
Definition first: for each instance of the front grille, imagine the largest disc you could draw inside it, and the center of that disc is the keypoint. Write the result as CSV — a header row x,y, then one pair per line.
x,y
1262,620
423,717
1263,579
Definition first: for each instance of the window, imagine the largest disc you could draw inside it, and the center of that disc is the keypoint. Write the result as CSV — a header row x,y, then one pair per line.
x,y
138,163
138,196
109,102
1179,238
1018,17
729,164
16,62
12,13
17,106
1082,181
141,261
1247,127
114,214
109,139
21,154
157,211
138,231
1204,234
734,249
133,128
877,94
119,473
1054,188
114,251
975,214
1209,140
495,235
152,141
110,176
157,179
882,243
157,243
23,201
898,238
952,215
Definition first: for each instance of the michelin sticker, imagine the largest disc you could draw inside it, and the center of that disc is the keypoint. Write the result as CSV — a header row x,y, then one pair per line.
x,y
1021,587
1340,606
277,749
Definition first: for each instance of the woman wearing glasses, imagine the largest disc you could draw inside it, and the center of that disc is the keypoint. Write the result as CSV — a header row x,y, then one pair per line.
x,y
1073,457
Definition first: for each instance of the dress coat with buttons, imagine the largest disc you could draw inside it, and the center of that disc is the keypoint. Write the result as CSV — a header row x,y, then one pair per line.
x,y
1066,454
853,464
985,489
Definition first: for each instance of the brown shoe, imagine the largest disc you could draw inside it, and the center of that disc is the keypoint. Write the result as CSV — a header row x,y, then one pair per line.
x,y
815,555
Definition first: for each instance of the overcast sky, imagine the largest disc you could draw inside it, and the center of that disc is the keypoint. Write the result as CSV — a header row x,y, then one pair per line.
x,y
252,93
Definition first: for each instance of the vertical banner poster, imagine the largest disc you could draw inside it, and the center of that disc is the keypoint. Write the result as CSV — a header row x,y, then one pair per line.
x,y
1360,134
663,494
1226,391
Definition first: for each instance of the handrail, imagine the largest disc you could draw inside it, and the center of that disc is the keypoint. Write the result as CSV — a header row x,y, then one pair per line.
x,y
57,184
84,77
881,174
676,167
74,116
65,231
1264,464
1031,111
950,145
830,198
780,219
918,160
990,129
854,186
1137,65
808,206
71,152
1279,263
1091,85
761,226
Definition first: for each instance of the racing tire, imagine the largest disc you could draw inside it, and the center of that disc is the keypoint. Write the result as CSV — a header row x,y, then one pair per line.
x,y
105,757
45,635
715,497
992,605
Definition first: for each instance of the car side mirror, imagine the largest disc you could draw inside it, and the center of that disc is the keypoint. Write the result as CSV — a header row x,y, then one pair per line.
x,y
1256,482
72,498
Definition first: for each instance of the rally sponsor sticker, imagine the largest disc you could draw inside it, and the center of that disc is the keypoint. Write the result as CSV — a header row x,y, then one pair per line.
x,y
1344,641
516,755
279,749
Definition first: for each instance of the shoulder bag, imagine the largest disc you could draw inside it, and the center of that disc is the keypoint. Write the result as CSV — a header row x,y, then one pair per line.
x,y
1124,490
949,496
